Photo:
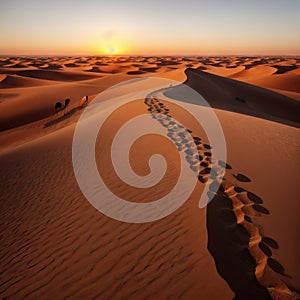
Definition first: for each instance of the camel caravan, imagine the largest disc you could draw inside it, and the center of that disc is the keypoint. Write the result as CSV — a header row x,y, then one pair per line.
x,y
59,106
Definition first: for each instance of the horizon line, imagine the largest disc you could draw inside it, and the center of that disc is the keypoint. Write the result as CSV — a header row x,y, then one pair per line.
x,y
149,55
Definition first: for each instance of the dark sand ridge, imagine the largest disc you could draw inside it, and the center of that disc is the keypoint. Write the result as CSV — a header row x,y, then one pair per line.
x,y
232,95
15,81
63,76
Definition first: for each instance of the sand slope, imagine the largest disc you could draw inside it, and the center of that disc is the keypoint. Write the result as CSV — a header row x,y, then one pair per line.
x,y
57,245
233,95
243,245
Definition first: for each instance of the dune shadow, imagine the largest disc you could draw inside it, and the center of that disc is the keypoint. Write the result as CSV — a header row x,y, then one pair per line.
x,y
62,117
229,242
229,249
236,96
284,69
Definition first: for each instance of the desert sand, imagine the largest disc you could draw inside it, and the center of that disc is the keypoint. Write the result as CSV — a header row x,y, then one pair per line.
x,y
243,245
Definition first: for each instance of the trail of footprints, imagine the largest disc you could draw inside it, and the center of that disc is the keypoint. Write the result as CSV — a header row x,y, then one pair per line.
x,y
246,205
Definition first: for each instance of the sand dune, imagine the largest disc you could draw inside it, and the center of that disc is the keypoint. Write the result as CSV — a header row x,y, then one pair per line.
x,y
15,81
287,83
106,69
243,245
284,69
233,95
280,75
51,67
50,94
223,71
258,71
69,235
71,65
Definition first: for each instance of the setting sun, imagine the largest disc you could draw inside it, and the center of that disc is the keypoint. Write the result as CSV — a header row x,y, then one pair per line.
x,y
112,50
110,43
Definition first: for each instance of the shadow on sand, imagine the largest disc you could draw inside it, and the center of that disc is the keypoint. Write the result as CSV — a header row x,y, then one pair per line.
x,y
63,116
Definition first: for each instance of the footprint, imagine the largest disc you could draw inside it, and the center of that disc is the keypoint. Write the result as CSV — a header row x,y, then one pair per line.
x,y
189,152
247,218
204,164
205,171
241,177
202,179
213,173
270,242
239,189
206,146
275,265
191,160
194,168
214,187
254,198
260,209
265,249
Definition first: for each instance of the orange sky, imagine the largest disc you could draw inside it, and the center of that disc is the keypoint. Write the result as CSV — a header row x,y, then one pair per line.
x,y
150,27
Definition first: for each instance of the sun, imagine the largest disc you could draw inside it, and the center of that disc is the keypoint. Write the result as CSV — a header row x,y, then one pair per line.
x,y
115,45
112,50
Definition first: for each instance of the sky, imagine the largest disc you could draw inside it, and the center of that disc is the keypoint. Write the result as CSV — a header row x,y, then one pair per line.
x,y
156,27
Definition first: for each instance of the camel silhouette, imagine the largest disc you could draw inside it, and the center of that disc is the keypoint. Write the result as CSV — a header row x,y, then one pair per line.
x,y
58,107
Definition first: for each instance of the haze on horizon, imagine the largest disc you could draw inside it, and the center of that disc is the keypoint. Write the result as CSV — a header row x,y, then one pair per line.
x,y
191,27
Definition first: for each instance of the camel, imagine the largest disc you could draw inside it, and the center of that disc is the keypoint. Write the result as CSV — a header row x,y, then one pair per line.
x,y
59,106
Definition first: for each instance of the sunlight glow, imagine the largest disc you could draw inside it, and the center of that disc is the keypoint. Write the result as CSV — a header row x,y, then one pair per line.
x,y
113,46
